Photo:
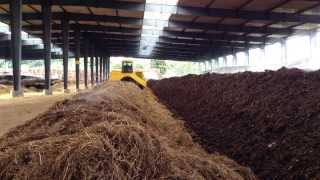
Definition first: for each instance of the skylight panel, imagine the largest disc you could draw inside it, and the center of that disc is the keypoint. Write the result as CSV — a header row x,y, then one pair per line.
x,y
156,18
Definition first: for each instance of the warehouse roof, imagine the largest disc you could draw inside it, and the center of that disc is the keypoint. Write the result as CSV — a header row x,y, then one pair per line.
x,y
194,29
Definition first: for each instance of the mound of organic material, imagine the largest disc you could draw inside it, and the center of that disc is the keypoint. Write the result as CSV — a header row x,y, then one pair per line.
x,y
29,82
269,121
116,131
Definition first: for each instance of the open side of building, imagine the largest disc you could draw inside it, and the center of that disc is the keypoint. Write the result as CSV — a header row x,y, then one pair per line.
x,y
193,30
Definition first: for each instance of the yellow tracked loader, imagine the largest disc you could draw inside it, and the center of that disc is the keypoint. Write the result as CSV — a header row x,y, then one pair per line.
x,y
127,74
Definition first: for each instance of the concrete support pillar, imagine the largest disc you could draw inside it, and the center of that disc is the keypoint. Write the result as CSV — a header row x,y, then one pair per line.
x,y
85,63
92,65
101,65
47,28
65,37
77,59
284,53
97,69
16,25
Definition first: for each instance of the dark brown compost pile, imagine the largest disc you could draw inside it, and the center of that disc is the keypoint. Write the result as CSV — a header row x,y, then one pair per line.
x,y
269,121
116,131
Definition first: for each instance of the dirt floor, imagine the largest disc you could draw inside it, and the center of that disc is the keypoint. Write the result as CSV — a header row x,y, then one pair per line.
x,y
17,111
269,121
115,131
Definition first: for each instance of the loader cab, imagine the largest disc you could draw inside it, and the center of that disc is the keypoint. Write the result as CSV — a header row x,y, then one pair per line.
x,y
127,67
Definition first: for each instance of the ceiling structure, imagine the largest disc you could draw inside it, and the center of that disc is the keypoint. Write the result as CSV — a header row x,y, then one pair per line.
x,y
195,29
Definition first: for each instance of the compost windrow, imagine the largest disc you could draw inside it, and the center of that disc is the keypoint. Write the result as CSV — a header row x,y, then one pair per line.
x,y
115,131
269,121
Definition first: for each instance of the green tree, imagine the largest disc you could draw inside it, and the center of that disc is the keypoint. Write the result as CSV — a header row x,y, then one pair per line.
x,y
2,64
159,64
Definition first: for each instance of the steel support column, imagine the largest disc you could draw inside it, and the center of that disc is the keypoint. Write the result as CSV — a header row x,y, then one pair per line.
x,y
224,61
216,63
205,66
97,69
65,36
108,68
47,27
77,59
234,59
212,65
313,45
284,52
263,53
103,68
100,74
247,57
92,65
16,25
85,63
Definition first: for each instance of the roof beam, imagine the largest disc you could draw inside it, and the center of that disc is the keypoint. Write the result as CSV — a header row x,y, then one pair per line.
x,y
169,35
179,24
218,37
230,13
197,47
92,3
165,40
85,17
178,52
93,28
121,39
89,35
173,54
203,26
165,47
229,28
167,57
184,10
27,53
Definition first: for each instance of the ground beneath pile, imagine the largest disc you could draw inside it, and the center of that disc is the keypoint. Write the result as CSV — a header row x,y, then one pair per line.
x,y
33,89
269,121
17,111
116,131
